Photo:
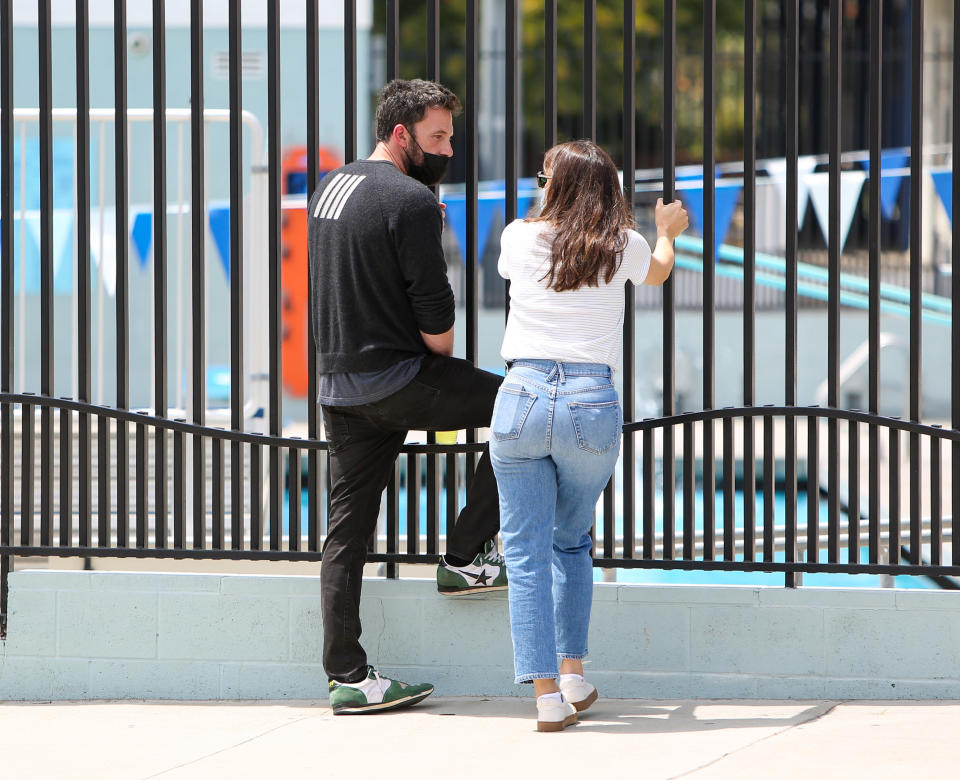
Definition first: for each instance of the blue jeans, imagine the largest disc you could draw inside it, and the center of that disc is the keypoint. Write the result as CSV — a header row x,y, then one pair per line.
x,y
554,442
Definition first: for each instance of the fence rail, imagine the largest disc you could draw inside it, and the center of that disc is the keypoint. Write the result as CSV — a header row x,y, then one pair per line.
x,y
692,491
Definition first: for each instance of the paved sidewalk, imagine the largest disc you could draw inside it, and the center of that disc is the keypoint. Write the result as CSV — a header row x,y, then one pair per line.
x,y
478,738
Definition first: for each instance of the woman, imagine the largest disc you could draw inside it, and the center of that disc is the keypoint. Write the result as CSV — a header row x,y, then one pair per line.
x,y
556,424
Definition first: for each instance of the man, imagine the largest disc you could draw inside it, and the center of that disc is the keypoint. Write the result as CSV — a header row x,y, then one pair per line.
x,y
383,315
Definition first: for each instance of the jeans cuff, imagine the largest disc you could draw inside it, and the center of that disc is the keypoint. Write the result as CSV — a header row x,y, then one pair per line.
x,y
571,656
529,678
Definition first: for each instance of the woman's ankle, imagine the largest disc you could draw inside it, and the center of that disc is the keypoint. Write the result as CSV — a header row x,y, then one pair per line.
x,y
545,685
571,666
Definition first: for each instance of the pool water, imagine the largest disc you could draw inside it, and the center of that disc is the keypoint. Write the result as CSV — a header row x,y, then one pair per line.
x,y
687,577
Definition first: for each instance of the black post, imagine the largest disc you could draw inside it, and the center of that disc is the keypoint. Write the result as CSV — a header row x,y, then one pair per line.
x,y
82,193
160,268
236,275
669,312
6,298
749,271
198,272
122,258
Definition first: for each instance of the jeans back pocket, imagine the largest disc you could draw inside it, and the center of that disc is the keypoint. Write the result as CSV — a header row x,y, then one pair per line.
x,y
598,425
513,406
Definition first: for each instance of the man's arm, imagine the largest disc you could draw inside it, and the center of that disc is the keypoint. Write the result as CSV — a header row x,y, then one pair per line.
x,y
439,343
416,231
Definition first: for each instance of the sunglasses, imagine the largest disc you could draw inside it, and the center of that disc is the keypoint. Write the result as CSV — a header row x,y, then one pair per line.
x,y
542,179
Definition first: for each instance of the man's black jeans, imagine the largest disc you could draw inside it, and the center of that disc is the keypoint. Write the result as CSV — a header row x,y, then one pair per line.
x,y
447,394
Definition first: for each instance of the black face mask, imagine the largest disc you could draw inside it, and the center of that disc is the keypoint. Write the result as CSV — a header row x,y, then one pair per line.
x,y
428,171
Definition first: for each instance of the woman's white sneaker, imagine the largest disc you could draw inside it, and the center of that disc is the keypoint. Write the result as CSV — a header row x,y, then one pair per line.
x,y
554,714
577,691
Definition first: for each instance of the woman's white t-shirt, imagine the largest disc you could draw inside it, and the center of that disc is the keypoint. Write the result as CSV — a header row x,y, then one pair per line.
x,y
576,326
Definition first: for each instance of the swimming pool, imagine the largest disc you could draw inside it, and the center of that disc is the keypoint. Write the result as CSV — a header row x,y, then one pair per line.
x,y
687,577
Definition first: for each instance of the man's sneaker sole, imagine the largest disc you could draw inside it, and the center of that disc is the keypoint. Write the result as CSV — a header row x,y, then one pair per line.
x,y
584,703
384,706
556,725
453,590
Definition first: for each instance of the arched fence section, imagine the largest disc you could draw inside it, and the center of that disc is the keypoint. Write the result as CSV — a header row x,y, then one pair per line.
x,y
789,488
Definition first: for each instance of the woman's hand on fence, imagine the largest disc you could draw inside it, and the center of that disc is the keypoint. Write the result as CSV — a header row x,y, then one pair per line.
x,y
671,219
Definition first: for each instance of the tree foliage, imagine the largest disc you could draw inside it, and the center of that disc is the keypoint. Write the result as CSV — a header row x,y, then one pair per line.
x,y
648,82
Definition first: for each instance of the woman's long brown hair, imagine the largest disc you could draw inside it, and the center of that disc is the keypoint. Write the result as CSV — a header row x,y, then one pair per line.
x,y
584,204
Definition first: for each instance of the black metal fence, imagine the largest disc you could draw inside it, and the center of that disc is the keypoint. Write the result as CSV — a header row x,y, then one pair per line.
x,y
84,480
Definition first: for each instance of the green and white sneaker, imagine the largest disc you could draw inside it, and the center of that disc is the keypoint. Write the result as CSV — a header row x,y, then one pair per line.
x,y
485,573
375,694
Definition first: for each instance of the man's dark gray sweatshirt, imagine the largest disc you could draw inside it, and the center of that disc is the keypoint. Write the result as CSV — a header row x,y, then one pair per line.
x,y
378,272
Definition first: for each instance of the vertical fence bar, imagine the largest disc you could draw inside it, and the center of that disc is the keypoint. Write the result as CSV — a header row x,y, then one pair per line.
x,y
313,175
792,47
853,492
5,566
669,313
274,291
649,486
472,175
590,69
955,308
709,260
729,499
6,295
122,257
916,263
413,503
393,43
550,74
433,39
511,109
893,540
433,503
216,467
27,425
294,472
873,315
833,285
160,267
393,519
813,489
198,272
66,486
769,486
82,211
749,271
936,505
433,73
140,480
472,170
276,489
350,79
179,492
609,526
256,497
46,263
689,489
236,272
629,304
103,481
453,489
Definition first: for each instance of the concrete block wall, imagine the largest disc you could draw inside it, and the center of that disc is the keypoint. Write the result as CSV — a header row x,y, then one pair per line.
x,y
108,635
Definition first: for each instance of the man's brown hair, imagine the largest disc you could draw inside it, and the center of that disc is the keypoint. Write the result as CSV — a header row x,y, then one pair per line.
x,y
403,102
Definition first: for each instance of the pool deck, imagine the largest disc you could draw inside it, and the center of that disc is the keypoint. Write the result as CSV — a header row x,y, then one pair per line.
x,y
486,737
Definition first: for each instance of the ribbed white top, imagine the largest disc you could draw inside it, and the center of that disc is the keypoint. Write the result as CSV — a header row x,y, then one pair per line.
x,y
577,326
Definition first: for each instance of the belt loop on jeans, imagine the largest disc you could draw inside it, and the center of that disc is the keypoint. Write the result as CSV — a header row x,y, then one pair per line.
x,y
563,377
